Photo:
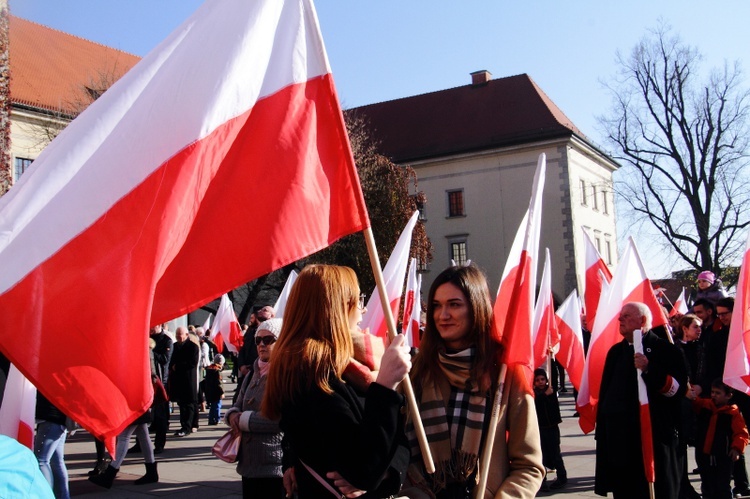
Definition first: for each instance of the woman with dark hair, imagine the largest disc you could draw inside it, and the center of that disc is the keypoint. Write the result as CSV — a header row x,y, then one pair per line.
x,y
454,376
341,440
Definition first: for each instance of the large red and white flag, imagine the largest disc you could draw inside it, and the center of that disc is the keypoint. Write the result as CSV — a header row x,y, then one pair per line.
x,y
571,354
226,330
280,306
737,366
680,305
629,284
596,273
394,275
514,305
110,224
412,305
546,335
18,412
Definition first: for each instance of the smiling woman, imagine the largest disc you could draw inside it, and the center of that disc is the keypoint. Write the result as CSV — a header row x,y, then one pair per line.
x,y
453,375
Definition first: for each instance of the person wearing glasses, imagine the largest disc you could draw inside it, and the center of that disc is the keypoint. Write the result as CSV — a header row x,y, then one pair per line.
x,y
259,458
343,441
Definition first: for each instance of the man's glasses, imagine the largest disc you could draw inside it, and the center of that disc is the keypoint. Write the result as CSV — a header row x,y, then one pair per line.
x,y
266,340
722,314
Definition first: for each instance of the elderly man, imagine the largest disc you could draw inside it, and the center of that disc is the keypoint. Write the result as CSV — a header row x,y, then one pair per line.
x,y
183,379
619,461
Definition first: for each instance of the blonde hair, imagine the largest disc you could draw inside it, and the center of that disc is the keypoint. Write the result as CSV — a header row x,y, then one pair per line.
x,y
315,343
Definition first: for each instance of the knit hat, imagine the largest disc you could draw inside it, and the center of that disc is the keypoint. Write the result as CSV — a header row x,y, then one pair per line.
x,y
707,275
271,325
219,359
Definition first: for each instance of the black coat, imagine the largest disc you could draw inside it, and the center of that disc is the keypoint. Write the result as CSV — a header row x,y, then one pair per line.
x,y
162,355
619,462
183,372
361,439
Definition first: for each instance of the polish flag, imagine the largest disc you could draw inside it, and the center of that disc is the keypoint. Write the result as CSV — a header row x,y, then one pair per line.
x,y
647,441
571,353
394,275
594,279
680,306
629,284
737,366
412,305
280,304
207,323
546,334
112,220
226,326
514,305
18,412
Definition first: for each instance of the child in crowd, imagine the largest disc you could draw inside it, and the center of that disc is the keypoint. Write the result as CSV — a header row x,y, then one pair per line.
x,y
213,386
721,440
548,414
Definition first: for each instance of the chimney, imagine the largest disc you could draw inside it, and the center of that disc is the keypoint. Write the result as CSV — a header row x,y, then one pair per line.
x,y
480,77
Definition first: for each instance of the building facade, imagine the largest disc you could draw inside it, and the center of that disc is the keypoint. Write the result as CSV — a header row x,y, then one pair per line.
x,y
475,151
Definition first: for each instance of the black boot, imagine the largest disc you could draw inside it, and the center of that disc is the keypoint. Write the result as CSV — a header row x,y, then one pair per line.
x,y
105,479
101,465
151,476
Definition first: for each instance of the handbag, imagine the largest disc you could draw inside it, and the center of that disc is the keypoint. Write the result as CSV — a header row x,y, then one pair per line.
x,y
227,446
160,393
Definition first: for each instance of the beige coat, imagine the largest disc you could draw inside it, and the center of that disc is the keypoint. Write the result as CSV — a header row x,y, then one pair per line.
x,y
516,469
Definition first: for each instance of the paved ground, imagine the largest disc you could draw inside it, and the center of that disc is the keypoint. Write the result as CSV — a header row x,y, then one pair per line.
x,y
188,470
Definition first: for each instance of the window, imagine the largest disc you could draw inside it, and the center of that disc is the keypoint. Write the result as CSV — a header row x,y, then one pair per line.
x,y
22,164
422,265
598,242
458,252
594,197
608,252
456,204
584,199
420,205
605,203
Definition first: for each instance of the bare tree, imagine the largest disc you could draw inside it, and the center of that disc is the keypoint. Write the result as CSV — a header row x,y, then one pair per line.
x,y
6,173
684,145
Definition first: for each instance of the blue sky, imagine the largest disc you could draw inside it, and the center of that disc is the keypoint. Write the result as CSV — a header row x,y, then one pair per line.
x,y
390,49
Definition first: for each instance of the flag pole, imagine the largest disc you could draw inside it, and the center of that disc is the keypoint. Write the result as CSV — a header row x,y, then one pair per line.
x,y
391,323
484,467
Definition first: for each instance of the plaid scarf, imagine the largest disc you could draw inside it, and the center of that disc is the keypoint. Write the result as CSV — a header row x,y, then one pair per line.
x,y
365,364
454,426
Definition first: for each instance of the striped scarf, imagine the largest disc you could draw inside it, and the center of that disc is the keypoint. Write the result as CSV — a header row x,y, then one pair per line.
x,y
453,426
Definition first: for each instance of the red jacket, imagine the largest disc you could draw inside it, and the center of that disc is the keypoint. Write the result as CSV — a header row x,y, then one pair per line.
x,y
719,426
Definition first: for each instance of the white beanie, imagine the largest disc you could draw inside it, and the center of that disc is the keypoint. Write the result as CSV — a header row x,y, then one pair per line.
x,y
271,325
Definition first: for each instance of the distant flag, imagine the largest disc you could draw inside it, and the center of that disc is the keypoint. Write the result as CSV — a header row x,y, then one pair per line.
x,y
596,273
280,304
412,305
394,275
18,411
737,366
226,330
571,354
629,284
207,323
647,440
125,197
514,305
546,334
680,305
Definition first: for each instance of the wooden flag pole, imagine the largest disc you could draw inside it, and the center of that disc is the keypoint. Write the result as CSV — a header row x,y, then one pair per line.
x,y
391,323
484,467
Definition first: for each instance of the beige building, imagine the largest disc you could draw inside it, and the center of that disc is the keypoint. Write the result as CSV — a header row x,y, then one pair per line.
x,y
475,150
54,76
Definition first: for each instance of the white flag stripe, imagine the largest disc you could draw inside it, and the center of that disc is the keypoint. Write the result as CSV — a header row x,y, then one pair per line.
x,y
113,153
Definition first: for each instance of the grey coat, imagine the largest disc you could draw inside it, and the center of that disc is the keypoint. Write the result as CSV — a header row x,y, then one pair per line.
x,y
260,450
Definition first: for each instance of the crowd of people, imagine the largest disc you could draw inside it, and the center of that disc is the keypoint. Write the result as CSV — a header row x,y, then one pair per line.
x,y
330,417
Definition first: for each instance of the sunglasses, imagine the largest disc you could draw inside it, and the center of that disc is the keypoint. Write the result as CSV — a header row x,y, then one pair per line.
x,y
266,340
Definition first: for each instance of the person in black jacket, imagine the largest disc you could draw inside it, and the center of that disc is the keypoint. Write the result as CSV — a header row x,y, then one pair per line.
x,y
183,380
548,415
619,457
342,441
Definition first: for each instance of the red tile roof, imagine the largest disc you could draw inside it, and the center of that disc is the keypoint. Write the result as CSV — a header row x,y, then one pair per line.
x,y
501,112
49,68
